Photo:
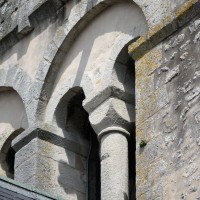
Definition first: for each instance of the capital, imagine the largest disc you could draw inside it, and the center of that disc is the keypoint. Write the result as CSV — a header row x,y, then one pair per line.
x,y
112,115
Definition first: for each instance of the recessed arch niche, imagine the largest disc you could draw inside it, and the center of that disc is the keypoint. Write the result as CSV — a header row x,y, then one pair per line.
x,y
90,60
98,59
73,119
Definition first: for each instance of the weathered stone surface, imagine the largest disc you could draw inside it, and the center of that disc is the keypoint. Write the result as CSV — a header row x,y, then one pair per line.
x,y
170,157
49,47
53,167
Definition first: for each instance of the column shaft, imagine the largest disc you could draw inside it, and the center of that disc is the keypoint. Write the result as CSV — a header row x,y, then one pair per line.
x,y
114,167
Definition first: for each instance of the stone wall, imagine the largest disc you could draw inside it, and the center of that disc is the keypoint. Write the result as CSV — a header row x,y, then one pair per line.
x,y
167,88
51,47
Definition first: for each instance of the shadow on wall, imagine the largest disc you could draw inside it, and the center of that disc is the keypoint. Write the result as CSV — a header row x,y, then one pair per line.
x,y
91,47
81,178
71,116
87,50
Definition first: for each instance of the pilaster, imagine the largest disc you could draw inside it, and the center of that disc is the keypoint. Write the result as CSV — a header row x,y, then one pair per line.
x,y
49,162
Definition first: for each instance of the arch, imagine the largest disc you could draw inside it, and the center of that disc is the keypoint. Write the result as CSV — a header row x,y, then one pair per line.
x,y
122,37
60,116
14,78
61,43
117,80
13,119
7,155
71,117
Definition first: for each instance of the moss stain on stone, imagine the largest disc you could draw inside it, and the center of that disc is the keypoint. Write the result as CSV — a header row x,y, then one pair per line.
x,y
160,32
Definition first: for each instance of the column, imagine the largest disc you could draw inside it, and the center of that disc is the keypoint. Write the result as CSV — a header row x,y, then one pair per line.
x,y
113,121
114,163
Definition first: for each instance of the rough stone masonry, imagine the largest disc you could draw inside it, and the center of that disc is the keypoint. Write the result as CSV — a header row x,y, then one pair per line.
x,y
99,99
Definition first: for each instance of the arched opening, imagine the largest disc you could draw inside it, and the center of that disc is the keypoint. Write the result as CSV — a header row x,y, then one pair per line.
x,y
89,59
71,116
8,154
98,61
13,120
78,123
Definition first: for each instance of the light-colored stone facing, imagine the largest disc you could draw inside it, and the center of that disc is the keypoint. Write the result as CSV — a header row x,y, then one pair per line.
x,y
81,44
52,168
172,132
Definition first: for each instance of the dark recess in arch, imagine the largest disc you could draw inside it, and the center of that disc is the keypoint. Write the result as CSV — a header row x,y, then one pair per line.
x,y
124,64
72,117
10,154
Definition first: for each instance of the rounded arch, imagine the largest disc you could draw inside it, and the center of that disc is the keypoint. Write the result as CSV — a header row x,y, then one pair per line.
x,y
63,40
137,26
58,50
67,114
72,117
13,78
13,120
